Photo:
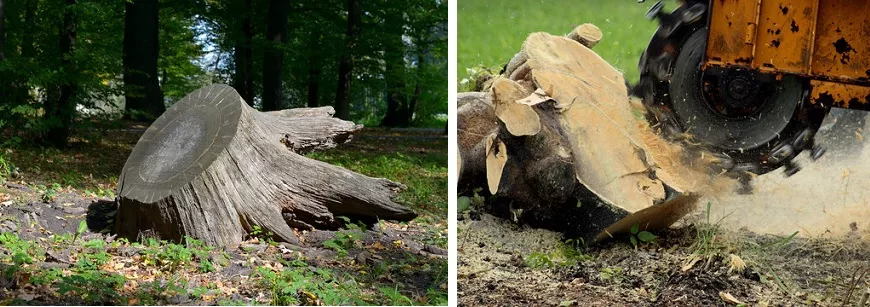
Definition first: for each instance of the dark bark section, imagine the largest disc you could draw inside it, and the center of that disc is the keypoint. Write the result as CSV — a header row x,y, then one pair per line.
x,y
255,176
273,54
2,32
345,67
60,113
28,50
394,56
17,82
314,71
141,86
418,87
243,80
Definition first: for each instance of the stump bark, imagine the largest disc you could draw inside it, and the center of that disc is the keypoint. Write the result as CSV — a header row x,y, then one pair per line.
x,y
213,168
559,142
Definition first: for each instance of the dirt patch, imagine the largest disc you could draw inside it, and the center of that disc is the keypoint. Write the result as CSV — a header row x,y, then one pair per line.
x,y
497,268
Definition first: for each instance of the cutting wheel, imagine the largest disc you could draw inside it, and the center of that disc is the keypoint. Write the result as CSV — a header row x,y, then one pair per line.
x,y
753,120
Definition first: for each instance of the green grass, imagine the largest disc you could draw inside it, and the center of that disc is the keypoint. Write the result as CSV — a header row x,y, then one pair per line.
x,y
491,32
421,165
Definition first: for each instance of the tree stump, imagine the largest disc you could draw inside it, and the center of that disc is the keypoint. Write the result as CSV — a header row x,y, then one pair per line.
x,y
213,168
558,141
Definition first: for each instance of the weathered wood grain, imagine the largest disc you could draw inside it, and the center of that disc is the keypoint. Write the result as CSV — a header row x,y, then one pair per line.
x,y
212,168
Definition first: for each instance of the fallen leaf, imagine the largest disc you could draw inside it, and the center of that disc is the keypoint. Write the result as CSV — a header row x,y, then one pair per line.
x,y
568,303
728,298
26,297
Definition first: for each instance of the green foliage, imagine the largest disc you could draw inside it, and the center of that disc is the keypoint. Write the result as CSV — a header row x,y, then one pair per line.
x,y
93,286
345,239
395,297
49,193
83,226
265,236
307,286
173,257
94,256
18,251
707,243
636,237
6,168
538,260
565,255
612,274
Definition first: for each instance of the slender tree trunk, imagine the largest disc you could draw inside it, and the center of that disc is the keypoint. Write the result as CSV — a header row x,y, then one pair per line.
x,y
345,67
2,32
394,56
273,54
28,50
63,111
141,87
314,71
18,79
418,88
244,78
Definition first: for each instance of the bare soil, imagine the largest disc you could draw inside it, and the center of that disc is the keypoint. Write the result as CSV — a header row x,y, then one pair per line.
x,y
497,268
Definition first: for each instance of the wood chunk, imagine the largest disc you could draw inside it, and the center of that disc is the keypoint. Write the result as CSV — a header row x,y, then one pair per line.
x,y
586,34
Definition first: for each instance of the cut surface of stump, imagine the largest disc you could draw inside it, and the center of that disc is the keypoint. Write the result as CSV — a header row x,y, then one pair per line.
x,y
213,168
572,153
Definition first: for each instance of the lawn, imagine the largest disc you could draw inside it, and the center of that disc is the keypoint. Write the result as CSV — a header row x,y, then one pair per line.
x,y
491,32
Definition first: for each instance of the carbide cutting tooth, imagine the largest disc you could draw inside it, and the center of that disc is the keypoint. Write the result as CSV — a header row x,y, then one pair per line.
x,y
791,168
818,152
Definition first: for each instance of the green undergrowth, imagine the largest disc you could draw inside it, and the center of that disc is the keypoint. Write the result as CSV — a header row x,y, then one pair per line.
x,y
97,272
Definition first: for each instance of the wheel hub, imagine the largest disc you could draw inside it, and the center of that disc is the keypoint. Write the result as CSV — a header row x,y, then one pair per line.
x,y
733,92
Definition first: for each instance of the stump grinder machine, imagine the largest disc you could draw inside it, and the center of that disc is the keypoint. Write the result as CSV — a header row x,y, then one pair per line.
x,y
751,81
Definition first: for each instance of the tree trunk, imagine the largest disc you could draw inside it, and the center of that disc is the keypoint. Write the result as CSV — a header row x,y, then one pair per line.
x,y
273,54
418,88
565,151
394,56
2,33
28,50
345,67
62,112
213,168
243,81
141,85
314,71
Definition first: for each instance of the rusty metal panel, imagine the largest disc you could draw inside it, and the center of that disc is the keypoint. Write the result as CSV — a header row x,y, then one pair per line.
x,y
732,30
785,36
842,46
842,95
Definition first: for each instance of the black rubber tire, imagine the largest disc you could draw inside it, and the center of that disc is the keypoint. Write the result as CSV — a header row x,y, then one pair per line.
x,y
758,132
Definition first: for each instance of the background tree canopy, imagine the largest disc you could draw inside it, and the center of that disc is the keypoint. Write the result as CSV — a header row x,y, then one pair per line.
x,y
65,63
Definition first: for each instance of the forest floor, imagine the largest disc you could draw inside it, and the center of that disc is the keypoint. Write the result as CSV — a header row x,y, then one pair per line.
x,y
696,264
55,247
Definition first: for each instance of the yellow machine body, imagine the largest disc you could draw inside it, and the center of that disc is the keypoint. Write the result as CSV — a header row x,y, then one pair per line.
x,y
827,42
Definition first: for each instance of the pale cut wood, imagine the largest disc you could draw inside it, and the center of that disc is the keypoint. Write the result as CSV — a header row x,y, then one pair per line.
x,y
518,118
213,168
587,34
592,103
496,158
